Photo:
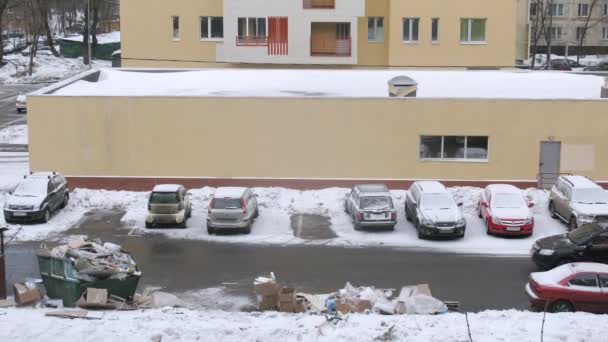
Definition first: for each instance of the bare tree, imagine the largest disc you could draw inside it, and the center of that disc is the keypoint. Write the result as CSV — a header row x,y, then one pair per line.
x,y
538,15
548,30
35,28
583,32
44,16
4,5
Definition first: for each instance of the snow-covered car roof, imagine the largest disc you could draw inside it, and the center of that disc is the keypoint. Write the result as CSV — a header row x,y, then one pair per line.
x,y
554,276
166,188
581,182
229,192
504,189
510,84
432,187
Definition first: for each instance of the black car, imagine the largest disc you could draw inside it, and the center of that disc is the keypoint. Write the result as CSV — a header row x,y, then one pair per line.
x,y
603,66
37,197
587,243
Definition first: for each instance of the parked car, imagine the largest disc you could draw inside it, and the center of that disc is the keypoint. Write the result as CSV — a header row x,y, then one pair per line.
x,y
570,287
602,66
37,197
168,205
505,211
577,200
433,210
232,208
587,243
560,64
371,206
21,103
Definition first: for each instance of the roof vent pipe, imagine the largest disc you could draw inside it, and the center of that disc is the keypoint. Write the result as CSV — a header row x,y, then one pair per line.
x,y
402,86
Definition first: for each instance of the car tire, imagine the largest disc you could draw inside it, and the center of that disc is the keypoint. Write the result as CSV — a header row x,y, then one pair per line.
x,y
189,213
47,216
247,230
66,198
256,213
561,306
407,214
487,222
418,230
148,225
552,210
183,224
572,224
210,230
479,212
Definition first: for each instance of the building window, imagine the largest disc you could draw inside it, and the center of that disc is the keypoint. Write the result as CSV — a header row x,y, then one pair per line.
x,y
604,33
533,9
473,148
252,27
557,10
212,27
375,29
410,29
580,31
435,29
472,30
583,10
175,25
605,9
556,32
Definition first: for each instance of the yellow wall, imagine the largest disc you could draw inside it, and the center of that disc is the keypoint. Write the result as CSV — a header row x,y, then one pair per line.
x,y
307,138
500,33
374,53
522,30
147,32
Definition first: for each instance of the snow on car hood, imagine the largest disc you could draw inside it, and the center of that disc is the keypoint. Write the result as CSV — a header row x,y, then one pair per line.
x,y
590,209
442,215
25,200
512,213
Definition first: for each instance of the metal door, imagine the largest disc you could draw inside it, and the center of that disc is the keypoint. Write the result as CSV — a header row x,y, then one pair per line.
x,y
550,158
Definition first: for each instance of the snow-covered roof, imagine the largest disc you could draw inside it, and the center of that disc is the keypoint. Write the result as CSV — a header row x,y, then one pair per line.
x,y
504,189
166,188
513,84
432,187
229,192
102,38
581,182
589,267
42,174
554,276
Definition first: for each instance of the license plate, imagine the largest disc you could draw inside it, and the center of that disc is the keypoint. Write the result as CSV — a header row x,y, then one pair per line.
x,y
378,216
19,214
513,229
446,231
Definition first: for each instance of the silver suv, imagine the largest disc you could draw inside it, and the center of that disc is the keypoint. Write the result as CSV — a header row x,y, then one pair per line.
x,y
232,208
371,205
578,200
168,205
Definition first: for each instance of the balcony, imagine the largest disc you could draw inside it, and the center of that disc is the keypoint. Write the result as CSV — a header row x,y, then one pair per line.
x,y
319,4
331,48
251,41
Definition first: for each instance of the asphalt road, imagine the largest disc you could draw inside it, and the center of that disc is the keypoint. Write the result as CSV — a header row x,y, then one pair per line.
x,y
478,282
8,96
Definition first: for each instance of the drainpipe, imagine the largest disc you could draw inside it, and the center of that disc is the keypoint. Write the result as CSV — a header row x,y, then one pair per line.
x,y
2,265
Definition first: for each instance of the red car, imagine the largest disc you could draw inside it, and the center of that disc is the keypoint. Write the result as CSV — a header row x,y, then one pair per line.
x,y
579,286
505,211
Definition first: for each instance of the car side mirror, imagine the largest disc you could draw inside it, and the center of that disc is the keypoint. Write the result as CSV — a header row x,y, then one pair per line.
x,y
484,204
530,204
460,204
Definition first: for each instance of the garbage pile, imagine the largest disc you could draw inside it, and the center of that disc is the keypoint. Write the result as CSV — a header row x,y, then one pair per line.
x,y
411,299
94,261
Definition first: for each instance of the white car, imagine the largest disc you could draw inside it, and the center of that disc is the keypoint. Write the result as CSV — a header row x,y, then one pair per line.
x,y
21,103
505,210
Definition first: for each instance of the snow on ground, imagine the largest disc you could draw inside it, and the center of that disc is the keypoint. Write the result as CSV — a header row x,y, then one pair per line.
x,y
102,38
516,84
167,324
16,134
46,68
13,165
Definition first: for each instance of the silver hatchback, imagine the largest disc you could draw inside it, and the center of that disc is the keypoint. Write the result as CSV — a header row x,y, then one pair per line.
x,y
232,208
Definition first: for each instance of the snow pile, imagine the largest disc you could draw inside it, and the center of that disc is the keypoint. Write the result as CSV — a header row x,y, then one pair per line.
x,y
46,68
168,324
338,83
16,134
13,165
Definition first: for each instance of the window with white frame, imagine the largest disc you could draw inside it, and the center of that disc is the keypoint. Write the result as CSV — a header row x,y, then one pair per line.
x,y
375,29
604,33
583,10
556,32
556,10
252,27
411,29
580,32
472,30
437,147
435,29
212,28
175,27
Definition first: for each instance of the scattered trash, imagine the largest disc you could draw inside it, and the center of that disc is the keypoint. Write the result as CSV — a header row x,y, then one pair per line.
x,y
26,293
52,303
266,289
75,314
94,298
153,298
8,302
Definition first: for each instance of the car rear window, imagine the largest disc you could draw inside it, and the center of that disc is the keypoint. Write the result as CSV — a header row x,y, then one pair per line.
x,y
376,203
227,203
164,197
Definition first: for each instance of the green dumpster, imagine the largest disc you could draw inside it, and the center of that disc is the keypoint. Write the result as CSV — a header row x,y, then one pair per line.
x,y
59,278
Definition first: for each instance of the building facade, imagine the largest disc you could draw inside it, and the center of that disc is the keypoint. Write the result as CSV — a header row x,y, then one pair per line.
x,y
364,33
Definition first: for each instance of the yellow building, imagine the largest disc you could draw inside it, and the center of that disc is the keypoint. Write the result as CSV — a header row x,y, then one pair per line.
x,y
130,129
364,33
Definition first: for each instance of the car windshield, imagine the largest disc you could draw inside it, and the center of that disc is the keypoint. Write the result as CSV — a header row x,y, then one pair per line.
x,y
590,196
164,198
508,201
32,188
375,203
437,201
584,233
227,203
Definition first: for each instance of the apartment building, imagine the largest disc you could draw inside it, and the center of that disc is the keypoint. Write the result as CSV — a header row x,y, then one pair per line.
x,y
365,33
569,18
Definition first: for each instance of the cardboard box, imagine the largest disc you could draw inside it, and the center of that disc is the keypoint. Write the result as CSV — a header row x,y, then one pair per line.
x,y
25,295
287,294
287,307
268,302
350,305
266,289
300,306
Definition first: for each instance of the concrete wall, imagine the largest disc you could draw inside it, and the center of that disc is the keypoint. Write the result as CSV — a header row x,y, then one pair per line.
x,y
306,138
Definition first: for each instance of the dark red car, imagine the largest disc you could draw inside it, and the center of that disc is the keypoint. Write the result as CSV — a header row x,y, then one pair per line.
x,y
579,286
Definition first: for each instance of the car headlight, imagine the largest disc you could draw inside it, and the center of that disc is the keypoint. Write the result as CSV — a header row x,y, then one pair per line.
x,y
495,220
546,252
427,222
461,222
585,218
530,220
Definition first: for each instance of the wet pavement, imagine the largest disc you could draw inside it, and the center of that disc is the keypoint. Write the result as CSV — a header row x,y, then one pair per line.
x,y
312,227
220,275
